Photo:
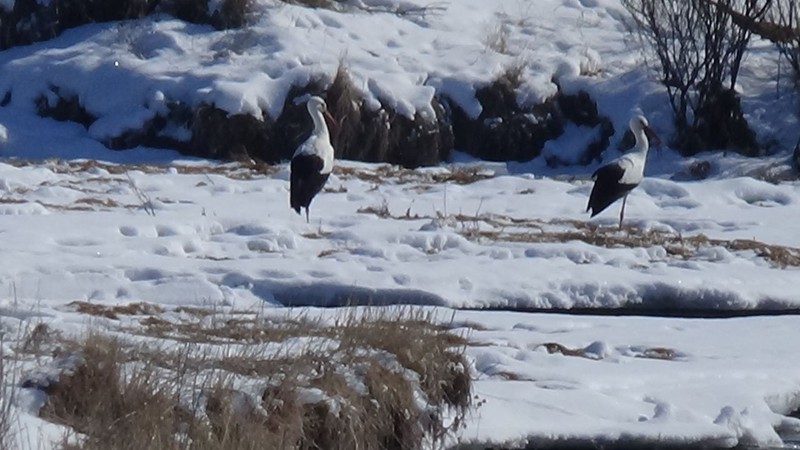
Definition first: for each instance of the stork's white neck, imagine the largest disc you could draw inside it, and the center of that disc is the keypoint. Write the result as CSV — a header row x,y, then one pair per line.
x,y
320,128
642,143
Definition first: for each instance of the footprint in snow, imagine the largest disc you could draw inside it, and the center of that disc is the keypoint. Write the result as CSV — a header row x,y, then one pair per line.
x,y
762,195
128,231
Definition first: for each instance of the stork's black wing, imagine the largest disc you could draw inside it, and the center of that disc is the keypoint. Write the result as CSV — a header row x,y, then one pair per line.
x,y
607,187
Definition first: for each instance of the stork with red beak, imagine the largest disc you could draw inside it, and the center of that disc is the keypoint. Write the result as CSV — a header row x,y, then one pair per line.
x,y
618,178
312,162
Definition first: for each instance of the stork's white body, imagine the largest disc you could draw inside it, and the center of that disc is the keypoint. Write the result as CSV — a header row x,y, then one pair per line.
x,y
312,162
319,143
617,178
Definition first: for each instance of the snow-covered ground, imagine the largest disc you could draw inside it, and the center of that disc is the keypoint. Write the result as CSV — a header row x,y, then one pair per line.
x,y
202,233
223,237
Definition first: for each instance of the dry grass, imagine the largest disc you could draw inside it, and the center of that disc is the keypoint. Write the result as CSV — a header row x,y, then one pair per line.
x,y
661,353
675,245
114,311
233,170
113,407
499,228
327,4
93,196
6,413
399,175
354,383
39,340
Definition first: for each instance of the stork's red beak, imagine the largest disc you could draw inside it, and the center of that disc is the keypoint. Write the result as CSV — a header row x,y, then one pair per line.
x,y
652,136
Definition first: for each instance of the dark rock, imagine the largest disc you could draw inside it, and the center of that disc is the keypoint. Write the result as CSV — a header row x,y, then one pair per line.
x,y
193,11
504,131
699,170
217,134
32,20
66,108
507,131
581,110
231,14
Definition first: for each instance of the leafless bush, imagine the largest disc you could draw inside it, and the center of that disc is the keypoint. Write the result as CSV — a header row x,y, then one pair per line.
x,y
700,51
376,379
784,30
781,25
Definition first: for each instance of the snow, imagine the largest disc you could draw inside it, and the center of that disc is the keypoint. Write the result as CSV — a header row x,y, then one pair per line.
x,y
234,243
204,233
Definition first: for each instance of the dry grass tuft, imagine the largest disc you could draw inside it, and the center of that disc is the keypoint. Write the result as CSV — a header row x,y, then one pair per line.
x,y
112,407
114,311
6,413
496,228
661,353
554,347
328,4
400,175
39,339
379,211
374,379
233,170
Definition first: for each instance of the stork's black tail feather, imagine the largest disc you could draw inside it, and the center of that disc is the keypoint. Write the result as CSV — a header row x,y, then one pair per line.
x,y
305,180
607,188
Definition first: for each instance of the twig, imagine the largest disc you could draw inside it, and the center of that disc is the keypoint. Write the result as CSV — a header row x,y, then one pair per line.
x,y
144,199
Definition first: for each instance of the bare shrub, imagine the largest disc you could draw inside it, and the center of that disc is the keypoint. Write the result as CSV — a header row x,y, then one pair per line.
x,y
375,379
781,26
113,409
700,51
787,16
497,36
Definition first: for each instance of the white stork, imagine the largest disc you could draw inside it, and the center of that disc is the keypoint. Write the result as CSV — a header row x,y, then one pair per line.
x,y
312,162
618,178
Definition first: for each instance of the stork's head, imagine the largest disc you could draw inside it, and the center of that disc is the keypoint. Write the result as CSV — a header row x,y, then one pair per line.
x,y
316,104
639,126
317,107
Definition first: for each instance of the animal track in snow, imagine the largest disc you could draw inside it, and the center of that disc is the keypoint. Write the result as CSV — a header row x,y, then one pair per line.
x,y
144,274
128,231
759,193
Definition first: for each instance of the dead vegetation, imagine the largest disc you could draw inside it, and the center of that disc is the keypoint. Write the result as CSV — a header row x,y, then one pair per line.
x,y
373,379
95,195
232,170
114,311
400,175
660,353
499,228
6,413
400,10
